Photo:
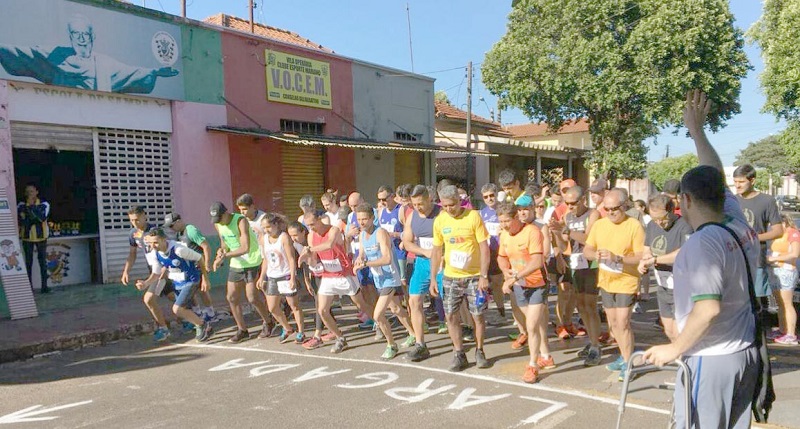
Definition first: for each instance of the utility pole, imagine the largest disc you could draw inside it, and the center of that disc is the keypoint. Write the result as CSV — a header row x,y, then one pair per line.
x,y
252,25
469,129
666,155
410,47
183,8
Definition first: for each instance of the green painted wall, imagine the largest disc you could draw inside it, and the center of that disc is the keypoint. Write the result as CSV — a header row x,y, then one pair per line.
x,y
202,65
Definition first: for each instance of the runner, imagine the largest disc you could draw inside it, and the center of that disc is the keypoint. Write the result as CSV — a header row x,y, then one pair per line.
x,y
672,187
186,270
278,271
783,277
762,214
239,245
579,222
247,208
367,284
378,255
527,215
331,205
597,193
461,241
334,268
308,205
191,237
664,236
299,235
567,299
509,181
489,193
139,227
520,256
418,239
616,242
389,218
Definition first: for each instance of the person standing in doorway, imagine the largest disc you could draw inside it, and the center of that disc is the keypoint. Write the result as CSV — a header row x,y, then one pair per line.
x,y
33,215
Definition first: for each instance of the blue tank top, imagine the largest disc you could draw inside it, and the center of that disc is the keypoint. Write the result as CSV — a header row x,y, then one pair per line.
x,y
385,275
182,272
390,221
422,227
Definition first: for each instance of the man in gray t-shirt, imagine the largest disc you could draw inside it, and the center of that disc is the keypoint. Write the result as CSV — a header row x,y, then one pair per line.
x,y
762,214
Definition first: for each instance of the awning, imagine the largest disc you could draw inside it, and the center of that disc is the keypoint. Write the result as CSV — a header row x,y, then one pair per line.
x,y
348,142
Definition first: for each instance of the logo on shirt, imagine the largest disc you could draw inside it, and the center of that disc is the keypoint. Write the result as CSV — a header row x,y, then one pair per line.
x,y
175,263
455,240
749,216
447,230
659,246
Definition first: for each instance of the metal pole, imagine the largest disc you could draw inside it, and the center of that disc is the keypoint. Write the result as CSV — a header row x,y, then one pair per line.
x,y
252,25
410,47
469,128
183,8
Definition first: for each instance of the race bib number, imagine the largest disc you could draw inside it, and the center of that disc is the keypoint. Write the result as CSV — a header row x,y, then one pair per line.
x,y
285,287
176,275
612,267
578,262
316,268
493,228
665,279
389,227
459,260
426,243
332,265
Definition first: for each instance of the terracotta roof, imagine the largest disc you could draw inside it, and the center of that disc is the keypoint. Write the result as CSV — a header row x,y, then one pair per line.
x,y
444,110
540,129
273,33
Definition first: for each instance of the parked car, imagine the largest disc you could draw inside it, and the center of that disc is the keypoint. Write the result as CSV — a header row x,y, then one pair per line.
x,y
788,203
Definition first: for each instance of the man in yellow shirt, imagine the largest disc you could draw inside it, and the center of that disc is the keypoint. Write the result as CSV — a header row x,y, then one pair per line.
x,y
616,242
460,236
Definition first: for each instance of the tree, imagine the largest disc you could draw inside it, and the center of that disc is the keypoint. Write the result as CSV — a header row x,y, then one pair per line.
x,y
441,97
671,168
625,65
767,154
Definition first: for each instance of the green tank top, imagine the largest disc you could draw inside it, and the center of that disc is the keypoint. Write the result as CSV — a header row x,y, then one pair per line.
x,y
230,236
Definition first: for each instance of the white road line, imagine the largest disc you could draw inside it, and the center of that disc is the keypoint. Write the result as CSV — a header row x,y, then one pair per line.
x,y
539,387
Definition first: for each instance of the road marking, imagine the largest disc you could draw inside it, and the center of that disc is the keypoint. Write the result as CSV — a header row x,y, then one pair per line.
x,y
539,387
28,414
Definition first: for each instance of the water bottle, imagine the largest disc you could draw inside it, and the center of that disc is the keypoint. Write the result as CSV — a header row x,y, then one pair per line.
x,y
480,298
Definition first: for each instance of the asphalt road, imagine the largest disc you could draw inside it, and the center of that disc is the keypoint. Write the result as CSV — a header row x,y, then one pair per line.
x,y
136,384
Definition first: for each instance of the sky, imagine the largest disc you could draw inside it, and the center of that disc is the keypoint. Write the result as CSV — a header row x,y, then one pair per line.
x,y
446,35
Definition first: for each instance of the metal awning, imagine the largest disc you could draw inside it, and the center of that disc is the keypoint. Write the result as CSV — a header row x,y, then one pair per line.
x,y
348,142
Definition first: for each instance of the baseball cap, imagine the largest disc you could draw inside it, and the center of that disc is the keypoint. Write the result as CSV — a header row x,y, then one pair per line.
x,y
217,210
566,183
171,219
598,186
524,200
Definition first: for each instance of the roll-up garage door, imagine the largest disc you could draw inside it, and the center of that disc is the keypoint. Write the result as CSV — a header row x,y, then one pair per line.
x,y
44,136
132,168
408,168
303,174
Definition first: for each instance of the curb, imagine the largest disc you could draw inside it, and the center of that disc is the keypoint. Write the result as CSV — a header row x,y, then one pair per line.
x,y
75,341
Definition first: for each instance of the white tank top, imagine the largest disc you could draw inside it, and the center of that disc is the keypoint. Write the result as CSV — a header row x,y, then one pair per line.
x,y
277,260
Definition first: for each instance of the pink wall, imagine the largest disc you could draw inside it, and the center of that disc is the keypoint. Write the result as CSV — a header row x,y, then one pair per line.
x,y
201,163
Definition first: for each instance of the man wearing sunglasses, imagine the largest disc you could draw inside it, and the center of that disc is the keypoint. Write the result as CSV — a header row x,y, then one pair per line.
x,y
389,219
616,243
489,215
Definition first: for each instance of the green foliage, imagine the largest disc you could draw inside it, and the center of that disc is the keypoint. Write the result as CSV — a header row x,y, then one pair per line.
x,y
789,140
767,154
625,65
441,97
777,32
671,168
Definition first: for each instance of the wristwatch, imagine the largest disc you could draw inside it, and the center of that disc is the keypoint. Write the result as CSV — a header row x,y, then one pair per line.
x,y
485,276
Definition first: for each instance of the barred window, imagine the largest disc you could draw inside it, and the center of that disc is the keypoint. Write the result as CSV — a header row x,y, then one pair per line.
x,y
299,127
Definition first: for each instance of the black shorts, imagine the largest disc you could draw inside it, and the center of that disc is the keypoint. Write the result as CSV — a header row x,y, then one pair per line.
x,y
246,275
666,303
585,281
552,270
616,300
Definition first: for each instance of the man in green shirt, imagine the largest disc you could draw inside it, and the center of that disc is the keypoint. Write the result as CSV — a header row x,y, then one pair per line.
x,y
239,246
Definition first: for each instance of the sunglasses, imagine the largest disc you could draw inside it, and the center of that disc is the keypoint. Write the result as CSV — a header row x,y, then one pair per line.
x,y
385,199
540,207
614,209
573,204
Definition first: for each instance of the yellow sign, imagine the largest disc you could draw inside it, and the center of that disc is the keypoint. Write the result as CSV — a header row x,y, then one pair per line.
x,y
298,80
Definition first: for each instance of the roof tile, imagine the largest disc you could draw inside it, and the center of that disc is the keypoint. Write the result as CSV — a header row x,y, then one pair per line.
x,y
540,129
273,33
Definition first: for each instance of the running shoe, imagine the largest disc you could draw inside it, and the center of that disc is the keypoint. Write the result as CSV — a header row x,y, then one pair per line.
x,y
622,370
584,351
410,341
789,340
520,342
548,363
594,357
313,343
367,326
161,334
774,333
378,334
467,334
459,362
606,338
239,336
389,353
300,338
480,359
419,353
285,336
514,335
266,329
330,336
531,374
203,332
339,345
362,317
562,333
187,327
442,328
576,331
617,365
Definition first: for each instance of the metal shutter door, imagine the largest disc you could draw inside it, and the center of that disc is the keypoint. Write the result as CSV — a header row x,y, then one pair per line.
x,y
132,168
407,168
303,174
42,136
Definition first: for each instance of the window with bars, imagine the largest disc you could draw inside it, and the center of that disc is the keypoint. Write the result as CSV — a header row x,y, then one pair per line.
x,y
300,127
407,137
